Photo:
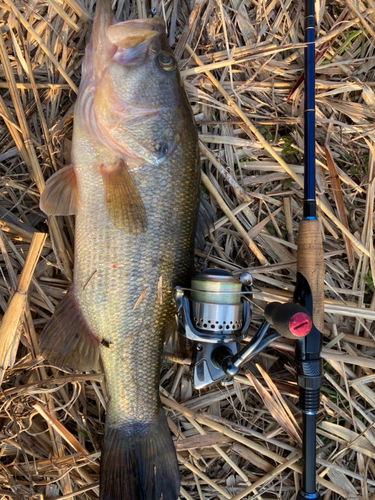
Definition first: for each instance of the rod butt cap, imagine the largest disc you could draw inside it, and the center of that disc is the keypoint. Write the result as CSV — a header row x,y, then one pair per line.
x,y
302,495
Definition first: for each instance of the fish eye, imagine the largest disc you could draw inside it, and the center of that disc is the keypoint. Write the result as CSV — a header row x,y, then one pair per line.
x,y
166,61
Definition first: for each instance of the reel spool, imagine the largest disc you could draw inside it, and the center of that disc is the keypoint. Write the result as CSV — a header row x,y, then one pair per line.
x,y
215,315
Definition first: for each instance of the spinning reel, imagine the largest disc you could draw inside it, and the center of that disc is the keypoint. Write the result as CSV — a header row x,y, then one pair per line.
x,y
215,314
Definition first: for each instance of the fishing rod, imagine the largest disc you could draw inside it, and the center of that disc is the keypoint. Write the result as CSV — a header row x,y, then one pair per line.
x,y
309,291
214,313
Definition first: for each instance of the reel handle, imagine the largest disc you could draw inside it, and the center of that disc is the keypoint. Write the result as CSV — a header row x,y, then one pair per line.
x,y
290,320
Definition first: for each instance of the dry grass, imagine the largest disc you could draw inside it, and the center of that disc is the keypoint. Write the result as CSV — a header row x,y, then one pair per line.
x,y
240,60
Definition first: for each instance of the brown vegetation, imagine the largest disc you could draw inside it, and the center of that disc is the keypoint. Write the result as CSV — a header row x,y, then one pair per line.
x,y
240,60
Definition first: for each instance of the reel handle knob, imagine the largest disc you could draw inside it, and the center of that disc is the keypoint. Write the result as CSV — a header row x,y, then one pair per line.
x,y
290,320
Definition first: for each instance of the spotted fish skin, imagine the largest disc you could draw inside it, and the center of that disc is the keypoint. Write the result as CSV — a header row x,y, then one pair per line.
x,y
134,187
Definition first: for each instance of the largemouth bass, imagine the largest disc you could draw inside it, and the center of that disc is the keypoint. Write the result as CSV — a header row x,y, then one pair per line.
x,y
133,186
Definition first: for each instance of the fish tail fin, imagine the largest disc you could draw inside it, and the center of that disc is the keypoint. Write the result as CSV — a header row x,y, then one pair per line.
x,y
139,462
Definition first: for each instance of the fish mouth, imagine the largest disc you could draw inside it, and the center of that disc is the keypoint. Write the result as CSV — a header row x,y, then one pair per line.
x,y
131,34
134,38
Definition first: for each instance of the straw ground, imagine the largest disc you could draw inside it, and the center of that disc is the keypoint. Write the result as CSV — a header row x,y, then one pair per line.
x,y
241,61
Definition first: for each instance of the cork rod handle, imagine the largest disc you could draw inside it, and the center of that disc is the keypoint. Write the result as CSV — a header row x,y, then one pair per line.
x,y
310,263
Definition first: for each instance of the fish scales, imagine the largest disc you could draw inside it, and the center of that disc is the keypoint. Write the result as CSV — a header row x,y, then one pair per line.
x,y
122,267
133,186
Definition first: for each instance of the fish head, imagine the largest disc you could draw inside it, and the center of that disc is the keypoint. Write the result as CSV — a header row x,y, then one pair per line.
x,y
132,99
143,70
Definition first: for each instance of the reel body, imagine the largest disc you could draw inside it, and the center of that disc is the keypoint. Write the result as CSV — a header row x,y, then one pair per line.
x,y
215,315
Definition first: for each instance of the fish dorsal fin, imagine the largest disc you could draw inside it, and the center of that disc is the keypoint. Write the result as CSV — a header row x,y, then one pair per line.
x,y
66,340
60,195
123,201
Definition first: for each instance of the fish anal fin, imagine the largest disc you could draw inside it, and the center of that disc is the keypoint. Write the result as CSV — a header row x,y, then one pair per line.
x,y
66,340
123,201
176,344
60,195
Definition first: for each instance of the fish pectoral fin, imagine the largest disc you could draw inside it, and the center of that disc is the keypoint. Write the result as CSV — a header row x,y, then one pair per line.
x,y
66,340
123,201
60,195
